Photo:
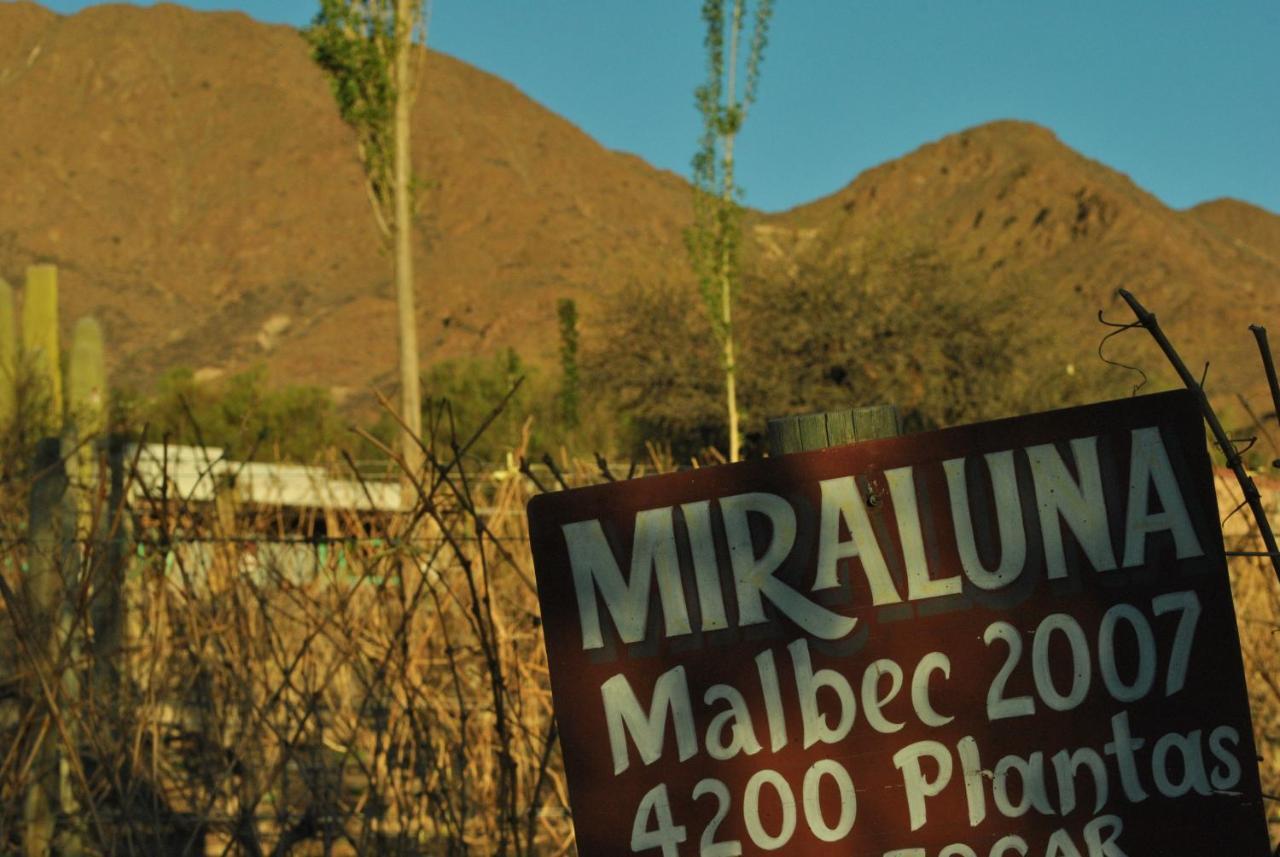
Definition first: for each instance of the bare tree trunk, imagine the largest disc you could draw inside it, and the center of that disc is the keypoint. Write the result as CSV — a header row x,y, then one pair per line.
x,y
730,379
726,307
410,393
726,272
107,610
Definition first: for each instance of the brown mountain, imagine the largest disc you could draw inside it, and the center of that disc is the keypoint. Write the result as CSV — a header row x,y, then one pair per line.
x,y
1244,225
189,173
1013,199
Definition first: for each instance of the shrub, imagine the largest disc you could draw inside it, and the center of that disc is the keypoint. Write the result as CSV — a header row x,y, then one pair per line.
x,y
241,414
895,324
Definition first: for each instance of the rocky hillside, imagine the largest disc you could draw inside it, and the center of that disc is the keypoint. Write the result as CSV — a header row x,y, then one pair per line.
x,y
190,175
1012,199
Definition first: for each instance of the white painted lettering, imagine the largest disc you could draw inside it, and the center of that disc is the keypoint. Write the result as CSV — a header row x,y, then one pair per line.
x,y
1226,776
596,569
624,717
842,501
768,672
1194,776
736,718
1013,537
697,520
1031,786
808,683
919,787
1123,746
1113,826
971,767
1150,464
1080,504
873,702
1066,764
929,664
753,576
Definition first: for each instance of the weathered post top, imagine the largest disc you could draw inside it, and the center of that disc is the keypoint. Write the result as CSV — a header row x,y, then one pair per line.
x,y
832,428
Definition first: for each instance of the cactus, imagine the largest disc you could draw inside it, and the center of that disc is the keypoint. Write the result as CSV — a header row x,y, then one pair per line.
x,y
40,335
8,355
87,380
86,416
63,511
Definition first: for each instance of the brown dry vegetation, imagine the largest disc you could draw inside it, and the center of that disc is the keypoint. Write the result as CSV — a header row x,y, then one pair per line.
x,y
381,690
1257,598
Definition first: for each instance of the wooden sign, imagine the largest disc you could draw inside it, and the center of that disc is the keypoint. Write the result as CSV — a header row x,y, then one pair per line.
x,y
1012,639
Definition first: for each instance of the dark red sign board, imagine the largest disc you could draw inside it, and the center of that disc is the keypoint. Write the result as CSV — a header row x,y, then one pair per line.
x,y
1012,639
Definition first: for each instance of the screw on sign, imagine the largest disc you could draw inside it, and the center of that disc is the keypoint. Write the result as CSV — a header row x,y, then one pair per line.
x,y
1026,648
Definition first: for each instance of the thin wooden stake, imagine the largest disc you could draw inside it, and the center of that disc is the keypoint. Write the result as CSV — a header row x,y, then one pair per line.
x,y
1148,320
1269,366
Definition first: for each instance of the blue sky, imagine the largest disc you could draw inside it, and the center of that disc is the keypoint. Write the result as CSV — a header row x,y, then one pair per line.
x,y
1183,95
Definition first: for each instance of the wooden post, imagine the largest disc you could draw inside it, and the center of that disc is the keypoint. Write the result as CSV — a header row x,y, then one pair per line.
x,y
51,523
225,553
832,428
107,612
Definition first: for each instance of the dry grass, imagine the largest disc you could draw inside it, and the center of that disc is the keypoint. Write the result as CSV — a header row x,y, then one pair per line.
x,y
383,692
380,691
1257,599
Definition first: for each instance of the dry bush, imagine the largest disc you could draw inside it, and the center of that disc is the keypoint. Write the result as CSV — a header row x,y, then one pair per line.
x,y
380,690
1256,593
897,321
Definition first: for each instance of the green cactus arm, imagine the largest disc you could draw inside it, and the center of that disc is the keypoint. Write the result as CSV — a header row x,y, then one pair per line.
x,y
8,354
40,333
87,379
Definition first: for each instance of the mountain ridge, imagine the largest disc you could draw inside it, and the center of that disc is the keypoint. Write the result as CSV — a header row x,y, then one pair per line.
x,y
1011,199
242,173
189,173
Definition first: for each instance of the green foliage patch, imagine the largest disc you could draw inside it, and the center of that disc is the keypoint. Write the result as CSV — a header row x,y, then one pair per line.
x,y
545,413
240,413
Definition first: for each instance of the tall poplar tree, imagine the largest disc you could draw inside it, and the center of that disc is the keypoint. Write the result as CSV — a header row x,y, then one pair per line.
x,y
366,48
715,238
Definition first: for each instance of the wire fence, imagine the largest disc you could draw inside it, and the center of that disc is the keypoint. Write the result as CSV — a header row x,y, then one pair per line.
x,y
201,675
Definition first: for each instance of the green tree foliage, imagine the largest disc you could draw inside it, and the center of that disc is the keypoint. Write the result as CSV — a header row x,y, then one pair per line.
x,y
251,419
240,413
567,314
366,49
896,323
475,386
353,42
713,241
